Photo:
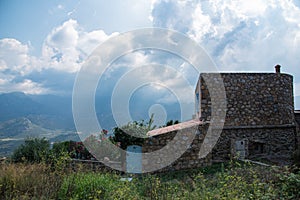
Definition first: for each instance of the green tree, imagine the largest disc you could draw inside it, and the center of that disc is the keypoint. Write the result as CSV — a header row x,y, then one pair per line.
x,y
171,122
60,148
33,150
133,133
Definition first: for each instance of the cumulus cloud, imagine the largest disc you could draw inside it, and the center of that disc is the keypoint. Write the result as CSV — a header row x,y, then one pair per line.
x,y
14,57
166,74
27,86
66,47
59,50
88,41
64,50
239,35
251,36
15,63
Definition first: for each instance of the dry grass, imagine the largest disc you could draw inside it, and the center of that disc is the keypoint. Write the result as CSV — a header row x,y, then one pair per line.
x,y
28,181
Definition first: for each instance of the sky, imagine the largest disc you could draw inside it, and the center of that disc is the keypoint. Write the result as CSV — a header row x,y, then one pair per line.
x,y
44,43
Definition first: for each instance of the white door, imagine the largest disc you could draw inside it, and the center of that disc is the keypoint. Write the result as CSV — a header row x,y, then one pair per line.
x,y
134,159
240,149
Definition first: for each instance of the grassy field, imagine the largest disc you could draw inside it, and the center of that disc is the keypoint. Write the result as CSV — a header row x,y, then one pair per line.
x,y
222,181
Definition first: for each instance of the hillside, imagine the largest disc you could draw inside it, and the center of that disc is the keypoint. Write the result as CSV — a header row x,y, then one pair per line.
x,y
50,116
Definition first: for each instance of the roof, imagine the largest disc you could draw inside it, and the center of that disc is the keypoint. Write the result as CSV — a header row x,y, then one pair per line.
x,y
297,111
175,127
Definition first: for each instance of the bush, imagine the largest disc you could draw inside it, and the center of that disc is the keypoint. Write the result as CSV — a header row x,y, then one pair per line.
x,y
289,184
133,133
33,150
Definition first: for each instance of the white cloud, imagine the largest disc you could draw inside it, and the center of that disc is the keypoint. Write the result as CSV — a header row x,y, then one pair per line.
x,y
239,35
66,47
30,87
60,48
88,41
64,50
201,24
164,84
64,36
14,56
27,86
3,65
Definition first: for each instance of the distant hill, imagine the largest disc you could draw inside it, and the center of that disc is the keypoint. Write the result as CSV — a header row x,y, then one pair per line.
x,y
48,111
13,132
17,104
50,116
23,116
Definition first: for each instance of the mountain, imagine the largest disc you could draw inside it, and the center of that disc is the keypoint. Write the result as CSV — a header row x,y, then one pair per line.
x,y
50,116
17,104
23,116
13,133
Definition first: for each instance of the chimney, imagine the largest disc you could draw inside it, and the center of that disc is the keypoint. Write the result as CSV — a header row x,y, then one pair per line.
x,y
277,69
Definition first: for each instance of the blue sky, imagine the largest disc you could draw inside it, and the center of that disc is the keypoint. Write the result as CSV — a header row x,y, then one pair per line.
x,y
43,43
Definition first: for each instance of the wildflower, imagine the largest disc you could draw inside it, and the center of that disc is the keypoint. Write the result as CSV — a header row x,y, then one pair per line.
x,y
104,131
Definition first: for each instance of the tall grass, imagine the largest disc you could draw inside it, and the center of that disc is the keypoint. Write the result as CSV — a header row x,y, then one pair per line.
x,y
231,181
28,181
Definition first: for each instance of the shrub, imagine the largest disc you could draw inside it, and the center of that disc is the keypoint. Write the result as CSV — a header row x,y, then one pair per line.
x,y
33,150
133,133
289,183
91,186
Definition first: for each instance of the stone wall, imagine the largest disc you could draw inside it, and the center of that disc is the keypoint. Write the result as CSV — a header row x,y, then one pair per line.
x,y
297,117
273,143
164,146
259,123
252,98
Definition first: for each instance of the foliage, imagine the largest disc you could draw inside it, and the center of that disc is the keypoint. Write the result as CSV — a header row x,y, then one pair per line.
x,y
93,186
230,181
33,150
290,184
132,133
78,150
171,122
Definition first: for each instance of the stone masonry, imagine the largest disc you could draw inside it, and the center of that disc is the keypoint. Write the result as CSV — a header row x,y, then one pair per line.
x,y
259,123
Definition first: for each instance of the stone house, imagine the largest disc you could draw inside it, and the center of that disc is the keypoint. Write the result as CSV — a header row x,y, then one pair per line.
x,y
259,123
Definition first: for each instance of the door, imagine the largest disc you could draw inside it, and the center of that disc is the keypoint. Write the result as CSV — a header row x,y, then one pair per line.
x,y
240,149
134,159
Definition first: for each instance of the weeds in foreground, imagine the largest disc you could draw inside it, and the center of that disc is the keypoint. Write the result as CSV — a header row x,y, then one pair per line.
x,y
232,181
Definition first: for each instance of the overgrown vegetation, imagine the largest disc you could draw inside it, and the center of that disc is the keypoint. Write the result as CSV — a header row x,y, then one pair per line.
x,y
33,150
37,171
230,181
133,133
